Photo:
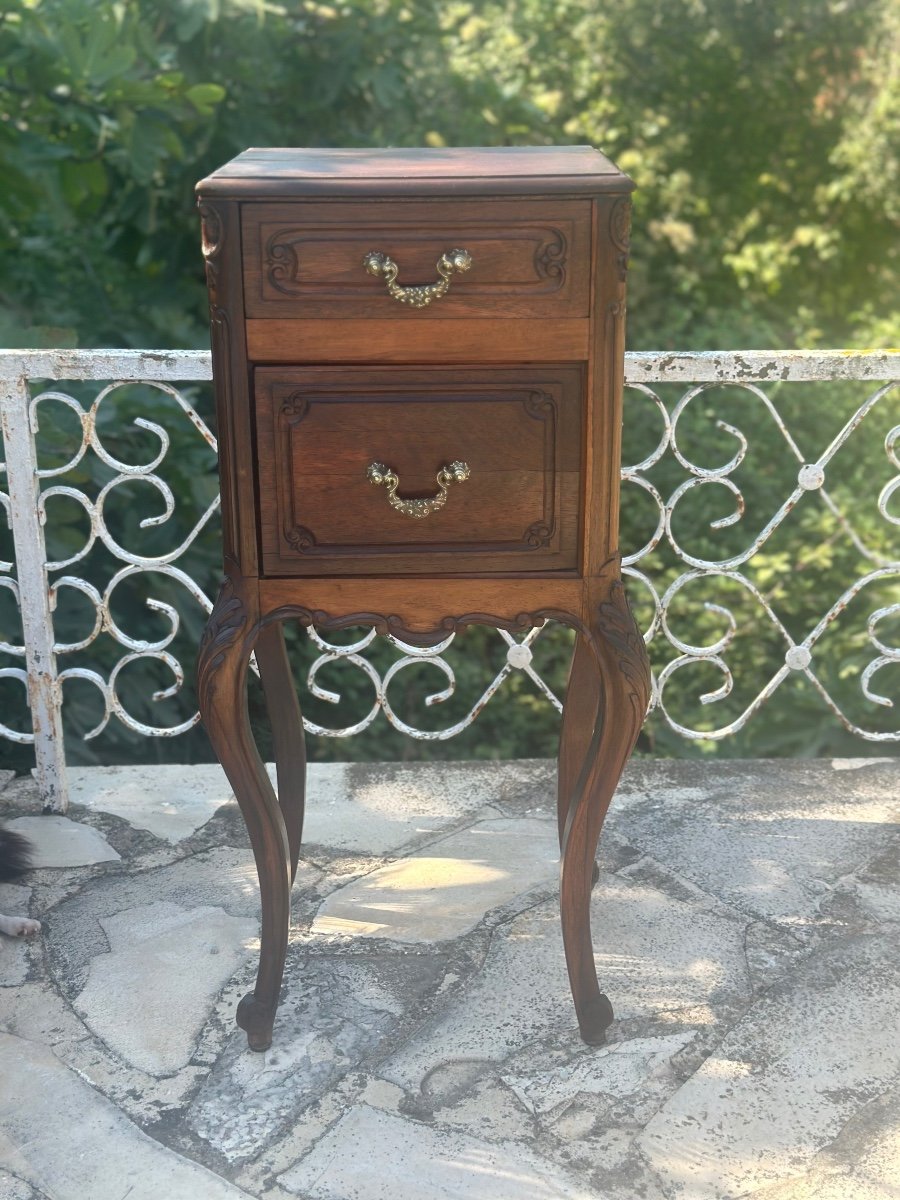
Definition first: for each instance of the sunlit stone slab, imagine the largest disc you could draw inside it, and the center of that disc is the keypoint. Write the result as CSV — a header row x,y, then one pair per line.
x,y
169,800
363,807
60,842
334,1013
377,807
373,1155
804,1060
617,1070
59,1135
655,953
445,890
150,996
768,838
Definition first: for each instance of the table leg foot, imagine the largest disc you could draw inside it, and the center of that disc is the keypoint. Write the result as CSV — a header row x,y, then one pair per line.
x,y
595,1019
257,1020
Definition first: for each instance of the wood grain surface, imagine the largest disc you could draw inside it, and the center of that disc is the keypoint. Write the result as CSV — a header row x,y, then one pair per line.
x,y
481,170
517,370
438,341
529,259
318,429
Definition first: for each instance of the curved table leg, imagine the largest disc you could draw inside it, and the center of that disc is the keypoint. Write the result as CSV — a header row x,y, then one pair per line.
x,y
221,684
611,668
578,718
287,731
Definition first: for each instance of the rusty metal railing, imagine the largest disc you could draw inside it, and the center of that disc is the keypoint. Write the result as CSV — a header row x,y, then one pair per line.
x,y
666,392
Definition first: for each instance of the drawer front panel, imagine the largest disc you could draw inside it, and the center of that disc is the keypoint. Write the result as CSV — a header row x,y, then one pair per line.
x,y
518,432
527,260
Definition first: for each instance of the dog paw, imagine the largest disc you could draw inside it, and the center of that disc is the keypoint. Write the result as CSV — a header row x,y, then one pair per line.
x,y
19,926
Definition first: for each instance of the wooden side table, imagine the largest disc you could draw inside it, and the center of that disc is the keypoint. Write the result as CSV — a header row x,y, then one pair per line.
x,y
418,362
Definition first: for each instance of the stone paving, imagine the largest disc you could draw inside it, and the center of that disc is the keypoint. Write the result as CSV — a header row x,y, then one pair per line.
x,y
746,928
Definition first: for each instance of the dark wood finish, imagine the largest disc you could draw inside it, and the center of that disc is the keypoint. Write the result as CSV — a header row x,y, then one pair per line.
x,y
606,371
519,431
534,405
431,608
455,171
228,641
287,733
611,666
435,341
220,232
529,259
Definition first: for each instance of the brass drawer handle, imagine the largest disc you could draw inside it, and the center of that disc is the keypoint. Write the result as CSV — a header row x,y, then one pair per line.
x,y
455,472
377,263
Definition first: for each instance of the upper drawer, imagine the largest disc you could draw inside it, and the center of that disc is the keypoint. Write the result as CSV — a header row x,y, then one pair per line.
x,y
529,259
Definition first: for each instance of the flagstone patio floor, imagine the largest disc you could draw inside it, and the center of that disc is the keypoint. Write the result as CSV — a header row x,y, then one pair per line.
x,y
746,926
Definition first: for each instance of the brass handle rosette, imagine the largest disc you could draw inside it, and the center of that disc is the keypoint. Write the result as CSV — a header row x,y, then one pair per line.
x,y
378,263
455,472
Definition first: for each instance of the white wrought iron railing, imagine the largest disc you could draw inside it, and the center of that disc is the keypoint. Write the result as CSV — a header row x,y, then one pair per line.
x,y
667,392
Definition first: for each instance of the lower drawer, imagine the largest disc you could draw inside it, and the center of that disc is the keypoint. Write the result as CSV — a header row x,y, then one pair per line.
x,y
406,470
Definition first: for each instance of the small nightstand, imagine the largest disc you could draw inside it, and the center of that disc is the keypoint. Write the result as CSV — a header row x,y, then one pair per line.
x,y
418,364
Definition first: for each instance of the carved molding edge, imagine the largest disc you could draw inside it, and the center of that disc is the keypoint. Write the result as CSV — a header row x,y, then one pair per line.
x,y
541,406
394,624
302,540
212,238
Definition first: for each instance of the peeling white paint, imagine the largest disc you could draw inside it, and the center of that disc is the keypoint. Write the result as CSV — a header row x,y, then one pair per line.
x,y
748,370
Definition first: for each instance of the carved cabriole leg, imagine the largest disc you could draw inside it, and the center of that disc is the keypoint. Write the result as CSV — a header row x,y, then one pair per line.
x,y
287,731
578,720
221,684
612,677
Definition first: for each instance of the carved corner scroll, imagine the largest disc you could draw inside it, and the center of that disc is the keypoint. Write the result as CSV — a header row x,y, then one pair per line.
x,y
540,405
616,625
295,408
225,623
298,537
538,535
550,258
282,263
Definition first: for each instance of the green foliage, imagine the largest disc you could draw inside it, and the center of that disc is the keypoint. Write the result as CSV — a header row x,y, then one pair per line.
x,y
763,140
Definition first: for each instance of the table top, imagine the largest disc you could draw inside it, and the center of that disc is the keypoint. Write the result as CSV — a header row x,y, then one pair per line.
x,y
481,170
